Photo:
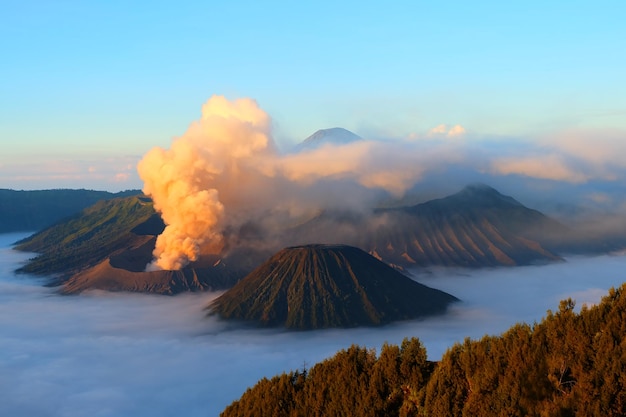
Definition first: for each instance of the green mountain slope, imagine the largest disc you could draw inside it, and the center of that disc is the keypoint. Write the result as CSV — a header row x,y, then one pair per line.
x,y
108,246
319,286
35,210
88,237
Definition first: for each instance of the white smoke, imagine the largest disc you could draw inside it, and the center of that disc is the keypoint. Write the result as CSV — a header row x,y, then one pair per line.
x,y
225,170
190,182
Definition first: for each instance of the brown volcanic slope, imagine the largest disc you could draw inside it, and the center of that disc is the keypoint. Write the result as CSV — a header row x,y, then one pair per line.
x,y
475,227
321,286
108,246
124,271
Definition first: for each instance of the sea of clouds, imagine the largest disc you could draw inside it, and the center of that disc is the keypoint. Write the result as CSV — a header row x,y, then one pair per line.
x,y
111,354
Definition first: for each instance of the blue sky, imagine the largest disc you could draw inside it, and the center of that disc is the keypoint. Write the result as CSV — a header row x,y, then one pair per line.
x,y
84,82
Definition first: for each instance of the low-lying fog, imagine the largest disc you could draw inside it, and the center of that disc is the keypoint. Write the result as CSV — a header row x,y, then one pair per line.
x,y
103,354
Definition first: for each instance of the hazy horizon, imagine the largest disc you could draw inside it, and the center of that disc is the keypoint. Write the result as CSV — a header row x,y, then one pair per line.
x,y
136,354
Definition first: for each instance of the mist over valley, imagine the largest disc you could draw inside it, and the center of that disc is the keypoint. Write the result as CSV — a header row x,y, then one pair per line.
x,y
149,355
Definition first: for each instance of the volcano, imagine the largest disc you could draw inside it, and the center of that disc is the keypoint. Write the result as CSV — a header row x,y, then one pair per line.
x,y
334,135
322,286
476,227
107,247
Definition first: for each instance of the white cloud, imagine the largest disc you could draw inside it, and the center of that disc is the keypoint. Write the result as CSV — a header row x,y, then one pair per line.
x,y
550,167
141,355
438,130
600,148
456,130
443,130
569,156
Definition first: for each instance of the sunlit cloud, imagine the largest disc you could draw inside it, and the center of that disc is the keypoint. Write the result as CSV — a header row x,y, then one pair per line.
x,y
225,170
393,166
443,130
438,130
456,130
600,148
328,161
550,167
570,156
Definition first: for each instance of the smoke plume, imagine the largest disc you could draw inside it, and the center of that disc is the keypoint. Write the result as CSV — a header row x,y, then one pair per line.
x,y
189,181
223,184
225,172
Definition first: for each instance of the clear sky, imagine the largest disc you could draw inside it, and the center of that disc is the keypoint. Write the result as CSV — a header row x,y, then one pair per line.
x,y
88,87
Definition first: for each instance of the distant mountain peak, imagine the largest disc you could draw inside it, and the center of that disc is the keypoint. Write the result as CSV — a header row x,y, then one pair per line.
x,y
485,194
334,135
480,187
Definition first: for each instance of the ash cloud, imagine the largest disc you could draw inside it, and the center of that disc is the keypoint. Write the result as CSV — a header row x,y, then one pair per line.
x,y
190,182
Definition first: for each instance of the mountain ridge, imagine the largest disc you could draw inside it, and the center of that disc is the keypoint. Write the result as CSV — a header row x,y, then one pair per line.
x,y
476,227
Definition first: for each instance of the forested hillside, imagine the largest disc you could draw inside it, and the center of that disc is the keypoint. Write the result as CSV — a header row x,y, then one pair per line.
x,y
25,211
569,364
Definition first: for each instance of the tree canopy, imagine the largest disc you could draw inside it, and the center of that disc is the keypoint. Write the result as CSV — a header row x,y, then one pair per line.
x,y
569,364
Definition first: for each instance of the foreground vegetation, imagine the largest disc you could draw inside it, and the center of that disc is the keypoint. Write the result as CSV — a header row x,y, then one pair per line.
x,y
569,364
